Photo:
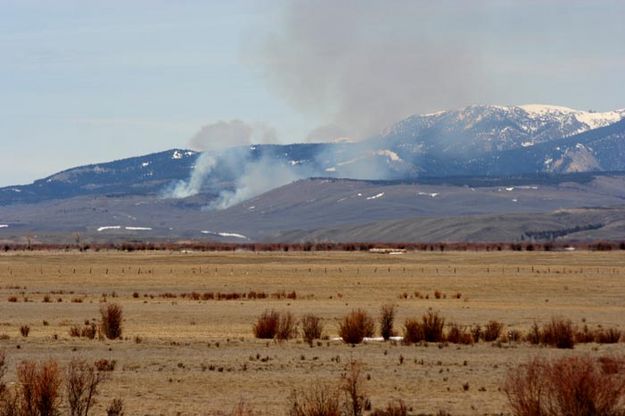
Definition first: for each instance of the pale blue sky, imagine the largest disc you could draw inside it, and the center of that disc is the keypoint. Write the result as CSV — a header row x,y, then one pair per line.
x,y
91,81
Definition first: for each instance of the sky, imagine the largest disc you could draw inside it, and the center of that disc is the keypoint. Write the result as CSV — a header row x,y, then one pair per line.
x,y
91,81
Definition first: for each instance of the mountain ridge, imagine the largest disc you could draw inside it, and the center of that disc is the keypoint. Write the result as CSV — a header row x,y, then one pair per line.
x,y
404,174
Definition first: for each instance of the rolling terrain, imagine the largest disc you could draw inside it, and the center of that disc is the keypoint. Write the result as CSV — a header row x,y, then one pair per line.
x,y
323,209
481,173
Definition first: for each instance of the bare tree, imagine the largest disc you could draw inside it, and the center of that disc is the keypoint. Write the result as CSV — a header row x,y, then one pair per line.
x,y
352,385
81,385
115,408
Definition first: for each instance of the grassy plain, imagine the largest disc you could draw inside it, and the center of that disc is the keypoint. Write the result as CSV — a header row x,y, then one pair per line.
x,y
199,356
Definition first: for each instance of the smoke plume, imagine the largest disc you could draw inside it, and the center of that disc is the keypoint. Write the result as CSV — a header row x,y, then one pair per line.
x,y
224,134
362,65
355,65
213,140
259,176
204,165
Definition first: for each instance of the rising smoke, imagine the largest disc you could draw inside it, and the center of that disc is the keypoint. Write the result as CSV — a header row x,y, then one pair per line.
x,y
361,65
357,65
213,139
224,134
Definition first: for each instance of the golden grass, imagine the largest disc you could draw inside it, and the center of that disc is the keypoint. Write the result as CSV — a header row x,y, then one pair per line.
x,y
176,356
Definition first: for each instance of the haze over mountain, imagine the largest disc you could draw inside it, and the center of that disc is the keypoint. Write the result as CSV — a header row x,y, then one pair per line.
x,y
181,193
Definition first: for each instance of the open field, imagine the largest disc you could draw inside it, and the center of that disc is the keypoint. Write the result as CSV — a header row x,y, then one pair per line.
x,y
186,356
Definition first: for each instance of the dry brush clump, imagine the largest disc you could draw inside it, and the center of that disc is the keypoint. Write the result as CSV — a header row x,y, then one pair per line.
x,y
81,384
355,326
573,385
287,327
457,334
273,324
88,330
429,328
392,409
322,398
387,318
242,409
432,325
352,386
115,408
559,333
40,386
266,325
312,328
607,336
3,370
39,391
413,332
492,331
318,399
24,330
111,320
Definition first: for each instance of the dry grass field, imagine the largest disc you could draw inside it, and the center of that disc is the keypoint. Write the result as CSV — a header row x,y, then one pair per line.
x,y
187,356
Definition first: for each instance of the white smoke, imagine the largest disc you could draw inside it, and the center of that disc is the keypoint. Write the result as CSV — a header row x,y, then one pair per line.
x,y
203,167
224,134
259,176
360,65
213,139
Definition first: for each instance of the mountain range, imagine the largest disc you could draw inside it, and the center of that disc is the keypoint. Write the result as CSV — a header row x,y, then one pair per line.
x,y
434,171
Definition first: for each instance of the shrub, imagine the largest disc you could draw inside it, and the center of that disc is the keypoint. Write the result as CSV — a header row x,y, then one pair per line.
x,y
24,330
534,336
412,331
115,408
74,331
311,328
584,335
3,370
574,385
111,322
558,333
81,385
432,327
39,388
320,399
387,317
392,409
287,327
9,403
242,409
476,332
266,325
89,331
459,335
352,386
608,336
492,331
105,365
355,326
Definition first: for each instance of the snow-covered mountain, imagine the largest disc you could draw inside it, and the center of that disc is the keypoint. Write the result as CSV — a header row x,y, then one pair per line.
x,y
475,140
479,129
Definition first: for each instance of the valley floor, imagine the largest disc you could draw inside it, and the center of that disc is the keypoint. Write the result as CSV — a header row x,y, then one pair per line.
x,y
181,355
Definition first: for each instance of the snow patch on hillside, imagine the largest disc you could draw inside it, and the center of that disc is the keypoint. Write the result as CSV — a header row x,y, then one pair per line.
x,y
590,118
223,234
109,227
380,195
